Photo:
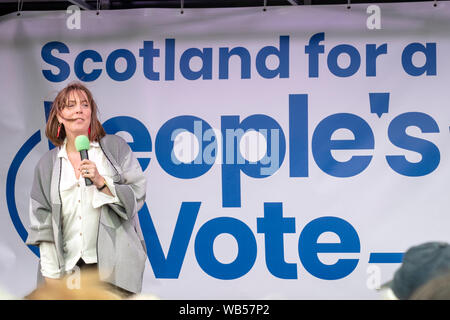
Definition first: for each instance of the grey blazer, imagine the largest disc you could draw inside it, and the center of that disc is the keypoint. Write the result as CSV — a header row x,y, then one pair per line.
x,y
121,251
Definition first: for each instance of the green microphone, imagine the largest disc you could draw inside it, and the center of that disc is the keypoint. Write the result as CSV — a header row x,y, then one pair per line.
x,y
82,145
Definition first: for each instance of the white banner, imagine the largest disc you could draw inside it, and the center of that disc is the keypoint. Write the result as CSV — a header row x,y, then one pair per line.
x,y
293,153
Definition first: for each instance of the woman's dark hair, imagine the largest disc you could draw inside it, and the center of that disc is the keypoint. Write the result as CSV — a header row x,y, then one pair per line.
x,y
61,101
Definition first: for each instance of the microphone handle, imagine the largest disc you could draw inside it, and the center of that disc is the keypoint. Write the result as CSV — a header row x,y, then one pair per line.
x,y
84,155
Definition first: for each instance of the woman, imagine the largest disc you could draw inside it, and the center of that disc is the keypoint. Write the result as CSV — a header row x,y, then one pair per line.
x,y
96,225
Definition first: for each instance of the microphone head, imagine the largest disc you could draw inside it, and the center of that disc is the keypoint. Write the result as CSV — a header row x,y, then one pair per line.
x,y
82,143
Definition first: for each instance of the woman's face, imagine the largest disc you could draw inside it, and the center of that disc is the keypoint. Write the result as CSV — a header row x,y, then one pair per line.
x,y
76,115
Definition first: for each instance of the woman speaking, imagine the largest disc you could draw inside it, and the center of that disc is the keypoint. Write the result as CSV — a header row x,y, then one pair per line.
x,y
83,212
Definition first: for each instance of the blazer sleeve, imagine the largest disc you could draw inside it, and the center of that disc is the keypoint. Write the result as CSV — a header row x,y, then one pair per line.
x,y
41,228
131,188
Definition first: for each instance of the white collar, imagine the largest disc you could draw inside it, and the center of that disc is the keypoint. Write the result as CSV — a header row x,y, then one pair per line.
x,y
63,151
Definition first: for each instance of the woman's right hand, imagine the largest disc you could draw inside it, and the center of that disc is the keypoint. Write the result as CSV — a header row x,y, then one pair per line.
x,y
51,281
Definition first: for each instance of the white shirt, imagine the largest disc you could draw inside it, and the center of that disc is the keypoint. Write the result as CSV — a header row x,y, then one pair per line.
x,y
81,208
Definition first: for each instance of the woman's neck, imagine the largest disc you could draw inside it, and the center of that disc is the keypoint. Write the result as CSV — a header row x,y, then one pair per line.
x,y
70,145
